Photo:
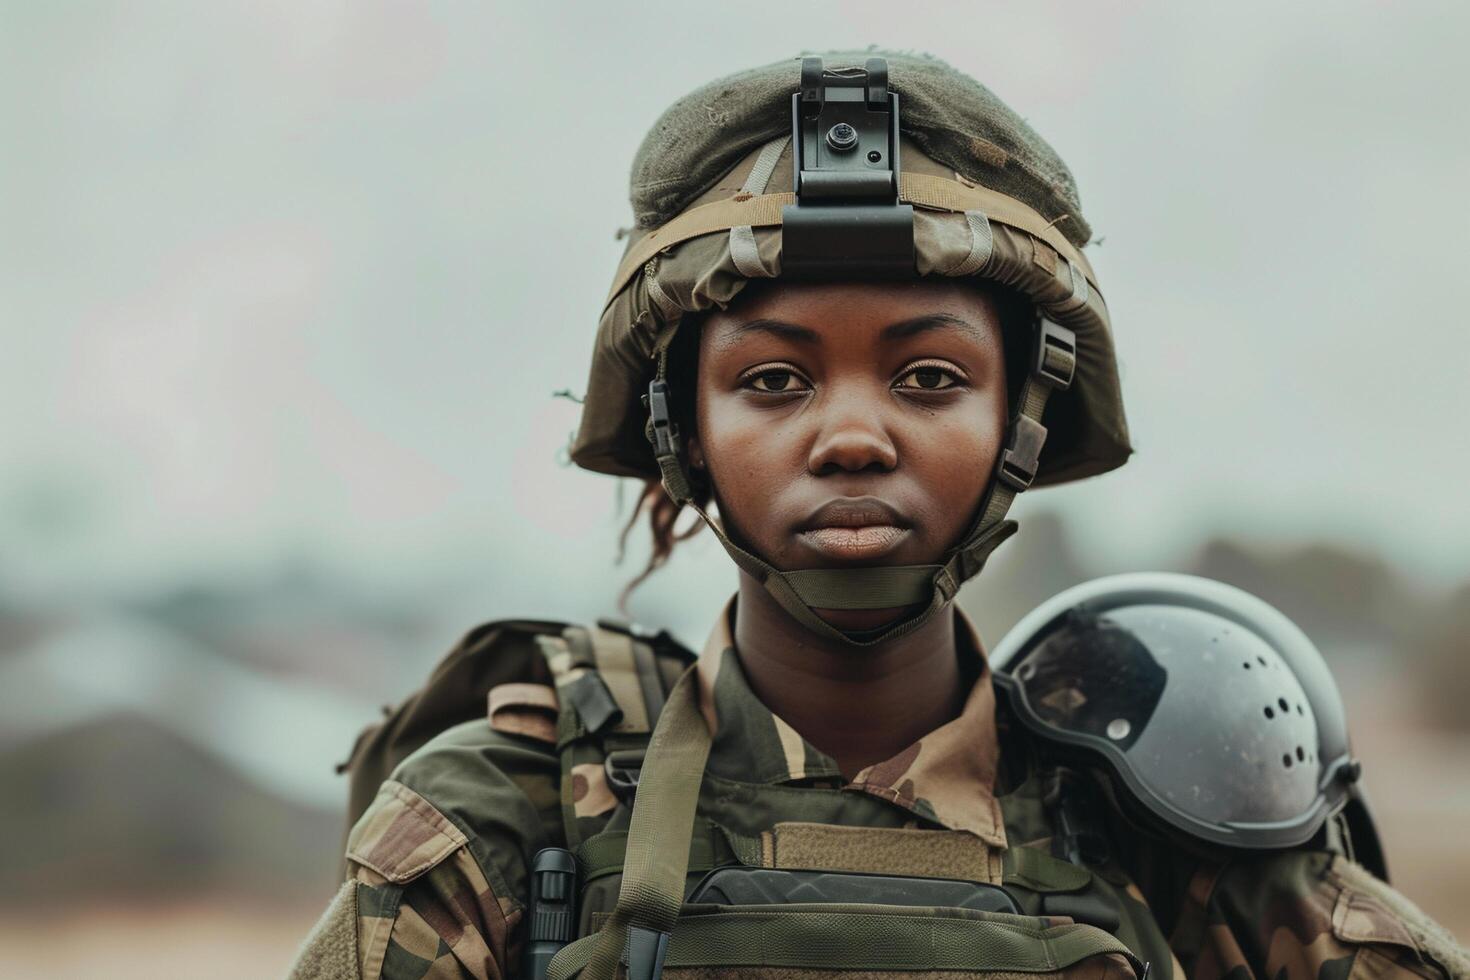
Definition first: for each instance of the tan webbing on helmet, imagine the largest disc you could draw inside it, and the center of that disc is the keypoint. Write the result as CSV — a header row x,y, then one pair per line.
x,y
764,210
930,191
759,211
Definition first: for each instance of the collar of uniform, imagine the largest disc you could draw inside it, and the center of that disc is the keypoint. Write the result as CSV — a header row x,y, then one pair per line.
x,y
947,777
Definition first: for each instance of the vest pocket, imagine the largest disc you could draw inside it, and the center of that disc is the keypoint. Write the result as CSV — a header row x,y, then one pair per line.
x,y
865,942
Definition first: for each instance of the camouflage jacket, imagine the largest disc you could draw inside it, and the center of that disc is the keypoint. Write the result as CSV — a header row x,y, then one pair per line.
x,y
438,865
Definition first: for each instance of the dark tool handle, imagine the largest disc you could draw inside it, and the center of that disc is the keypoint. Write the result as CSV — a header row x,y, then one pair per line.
x,y
553,918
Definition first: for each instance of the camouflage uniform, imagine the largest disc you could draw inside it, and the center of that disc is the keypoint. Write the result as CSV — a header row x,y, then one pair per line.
x,y
438,864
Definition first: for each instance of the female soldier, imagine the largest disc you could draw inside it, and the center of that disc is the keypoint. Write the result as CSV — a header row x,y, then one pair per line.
x,y
858,358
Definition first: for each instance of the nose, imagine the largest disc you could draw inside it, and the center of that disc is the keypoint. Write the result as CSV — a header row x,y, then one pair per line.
x,y
851,437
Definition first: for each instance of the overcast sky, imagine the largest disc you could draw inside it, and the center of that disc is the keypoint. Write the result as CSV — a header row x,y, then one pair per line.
x,y
297,279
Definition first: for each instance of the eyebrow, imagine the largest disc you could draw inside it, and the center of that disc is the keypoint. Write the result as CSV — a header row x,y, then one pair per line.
x,y
901,330
929,321
779,328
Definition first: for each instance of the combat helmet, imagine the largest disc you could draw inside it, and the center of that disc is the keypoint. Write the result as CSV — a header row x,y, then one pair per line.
x,y
813,168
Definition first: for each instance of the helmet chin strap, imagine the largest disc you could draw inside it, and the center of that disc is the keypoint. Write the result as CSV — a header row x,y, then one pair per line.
x,y
803,591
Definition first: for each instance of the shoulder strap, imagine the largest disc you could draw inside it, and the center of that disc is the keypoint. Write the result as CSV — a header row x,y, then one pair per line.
x,y
658,846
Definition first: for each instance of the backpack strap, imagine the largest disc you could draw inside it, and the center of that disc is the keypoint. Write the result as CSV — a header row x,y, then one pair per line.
x,y
657,856
610,685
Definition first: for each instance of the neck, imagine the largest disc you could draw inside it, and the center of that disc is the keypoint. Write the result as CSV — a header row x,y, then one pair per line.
x,y
860,705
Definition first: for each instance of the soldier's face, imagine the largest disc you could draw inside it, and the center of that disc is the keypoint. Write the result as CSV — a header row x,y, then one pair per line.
x,y
845,425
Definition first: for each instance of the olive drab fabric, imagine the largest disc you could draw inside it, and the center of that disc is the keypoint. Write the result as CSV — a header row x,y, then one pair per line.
x,y
454,693
437,865
954,119
992,202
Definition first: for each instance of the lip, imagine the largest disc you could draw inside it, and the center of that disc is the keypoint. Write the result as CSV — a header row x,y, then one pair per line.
x,y
854,512
854,528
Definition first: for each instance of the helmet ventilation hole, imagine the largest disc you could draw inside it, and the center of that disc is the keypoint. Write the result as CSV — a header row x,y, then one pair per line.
x,y
1247,665
1261,660
1284,706
1286,760
1301,754
1270,712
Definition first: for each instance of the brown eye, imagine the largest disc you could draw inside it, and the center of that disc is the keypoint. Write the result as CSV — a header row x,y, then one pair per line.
x,y
774,382
927,379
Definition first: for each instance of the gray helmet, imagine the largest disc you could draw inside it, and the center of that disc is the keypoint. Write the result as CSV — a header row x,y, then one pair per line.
x,y
1212,709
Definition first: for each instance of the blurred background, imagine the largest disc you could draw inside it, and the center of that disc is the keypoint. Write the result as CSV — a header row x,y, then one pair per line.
x,y
286,289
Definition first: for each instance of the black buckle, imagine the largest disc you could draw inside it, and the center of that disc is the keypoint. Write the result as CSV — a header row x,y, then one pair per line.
x,y
1056,354
663,433
623,767
594,703
1022,455
644,952
637,632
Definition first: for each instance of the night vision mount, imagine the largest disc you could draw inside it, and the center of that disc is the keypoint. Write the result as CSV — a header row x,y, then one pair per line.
x,y
847,220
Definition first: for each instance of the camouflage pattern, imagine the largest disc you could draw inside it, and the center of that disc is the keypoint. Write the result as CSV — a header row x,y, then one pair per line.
x,y
946,778
439,860
1298,916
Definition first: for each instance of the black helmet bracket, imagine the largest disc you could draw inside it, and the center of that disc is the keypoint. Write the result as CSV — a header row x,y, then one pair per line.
x,y
847,219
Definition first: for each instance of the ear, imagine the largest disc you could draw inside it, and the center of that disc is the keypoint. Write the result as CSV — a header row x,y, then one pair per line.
x,y
696,453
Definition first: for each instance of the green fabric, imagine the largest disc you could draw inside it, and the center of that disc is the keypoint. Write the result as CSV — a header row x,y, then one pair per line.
x,y
492,654
1039,871
882,937
602,854
863,588
493,787
854,937
955,119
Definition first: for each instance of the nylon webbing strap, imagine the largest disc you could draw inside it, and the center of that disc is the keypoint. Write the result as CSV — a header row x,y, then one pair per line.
x,y
863,588
760,211
1053,363
921,190
657,857
764,165
943,194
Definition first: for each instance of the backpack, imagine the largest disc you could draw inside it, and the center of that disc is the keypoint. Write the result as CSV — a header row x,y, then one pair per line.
x,y
611,681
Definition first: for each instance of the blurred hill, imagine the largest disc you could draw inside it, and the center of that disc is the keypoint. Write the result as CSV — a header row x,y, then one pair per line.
x,y
122,805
